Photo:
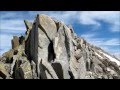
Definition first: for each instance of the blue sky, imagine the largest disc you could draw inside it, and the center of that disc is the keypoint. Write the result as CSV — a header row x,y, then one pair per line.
x,y
100,28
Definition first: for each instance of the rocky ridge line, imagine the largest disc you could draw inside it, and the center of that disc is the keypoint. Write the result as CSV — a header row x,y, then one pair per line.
x,y
51,50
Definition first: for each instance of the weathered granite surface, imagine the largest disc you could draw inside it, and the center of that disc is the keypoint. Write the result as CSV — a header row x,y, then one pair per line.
x,y
51,50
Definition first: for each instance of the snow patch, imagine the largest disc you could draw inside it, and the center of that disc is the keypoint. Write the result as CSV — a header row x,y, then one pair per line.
x,y
111,58
98,55
111,71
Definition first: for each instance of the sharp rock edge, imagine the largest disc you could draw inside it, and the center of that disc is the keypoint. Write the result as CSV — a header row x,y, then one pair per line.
x,y
51,50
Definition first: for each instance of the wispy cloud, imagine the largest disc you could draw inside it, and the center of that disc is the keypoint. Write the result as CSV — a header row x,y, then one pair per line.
x,y
11,23
92,38
113,42
86,17
93,17
65,16
111,45
82,17
5,42
117,55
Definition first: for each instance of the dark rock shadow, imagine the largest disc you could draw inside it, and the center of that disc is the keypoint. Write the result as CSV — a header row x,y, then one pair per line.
x,y
58,69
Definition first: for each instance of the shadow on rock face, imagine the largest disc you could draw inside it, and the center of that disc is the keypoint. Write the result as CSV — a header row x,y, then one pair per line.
x,y
51,54
58,69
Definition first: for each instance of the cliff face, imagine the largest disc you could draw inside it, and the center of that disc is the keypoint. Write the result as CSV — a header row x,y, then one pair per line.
x,y
51,50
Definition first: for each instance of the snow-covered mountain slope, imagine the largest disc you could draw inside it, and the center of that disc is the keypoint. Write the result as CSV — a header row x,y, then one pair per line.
x,y
110,58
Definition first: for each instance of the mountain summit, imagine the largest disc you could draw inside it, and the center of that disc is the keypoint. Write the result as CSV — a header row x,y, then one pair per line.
x,y
51,50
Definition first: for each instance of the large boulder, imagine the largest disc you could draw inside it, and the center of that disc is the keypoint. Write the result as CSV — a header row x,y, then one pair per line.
x,y
47,71
3,71
34,70
47,25
26,68
52,50
22,69
15,42
8,56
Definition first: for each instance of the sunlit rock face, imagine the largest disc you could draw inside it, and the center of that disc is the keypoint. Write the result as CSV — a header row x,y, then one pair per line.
x,y
51,50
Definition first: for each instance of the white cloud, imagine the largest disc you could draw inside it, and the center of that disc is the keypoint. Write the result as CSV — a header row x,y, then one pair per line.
x,y
5,42
12,25
89,17
65,16
8,14
117,55
101,41
116,26
69,17
113,42
87,36
105,44
92,17
83,17
86,17
91,38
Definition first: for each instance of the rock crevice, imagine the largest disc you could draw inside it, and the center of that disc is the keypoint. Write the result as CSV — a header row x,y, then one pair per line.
x,y
51,50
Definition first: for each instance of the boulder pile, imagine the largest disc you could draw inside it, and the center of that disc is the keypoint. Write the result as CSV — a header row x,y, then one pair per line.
x,y
51,50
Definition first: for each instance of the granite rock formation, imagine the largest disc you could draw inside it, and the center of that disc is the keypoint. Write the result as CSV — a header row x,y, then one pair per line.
x,y
51,50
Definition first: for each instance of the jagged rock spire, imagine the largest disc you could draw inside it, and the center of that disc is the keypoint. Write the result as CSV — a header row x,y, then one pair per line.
x,y
51,50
